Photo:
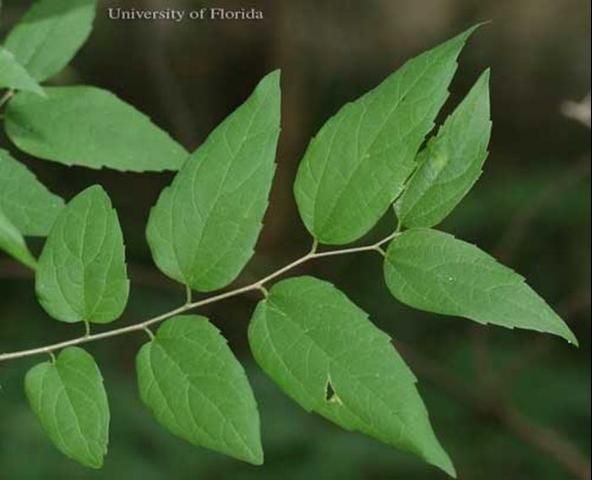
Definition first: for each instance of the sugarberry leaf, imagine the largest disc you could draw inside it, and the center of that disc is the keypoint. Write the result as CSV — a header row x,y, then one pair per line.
x,y
433,271
13,243
29,205
451,163
196,388
203,229
89,127
49,35
322,350
14,76
69,399
359,161
81,273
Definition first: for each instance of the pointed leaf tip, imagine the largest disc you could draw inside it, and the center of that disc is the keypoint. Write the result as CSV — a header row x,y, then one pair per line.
x,y
90,127
451,162
29,205
219,196
13,243
323,352
359,161
433,271
49,34
217,409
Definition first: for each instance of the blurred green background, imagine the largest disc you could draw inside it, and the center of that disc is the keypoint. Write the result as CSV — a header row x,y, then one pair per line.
x,y
506,404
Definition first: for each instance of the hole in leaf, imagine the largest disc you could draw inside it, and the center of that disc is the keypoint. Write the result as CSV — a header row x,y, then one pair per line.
x,y
330,394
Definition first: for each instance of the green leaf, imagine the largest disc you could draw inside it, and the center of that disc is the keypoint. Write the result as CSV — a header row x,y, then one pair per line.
x,y
433,271
198,390
14,76
205,225
451,163
70,401
81,274
357,164
26,201
322,350
50,34
89,127
13,243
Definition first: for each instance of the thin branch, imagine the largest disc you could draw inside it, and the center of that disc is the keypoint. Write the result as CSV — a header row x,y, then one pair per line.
x,y
143,326
369,248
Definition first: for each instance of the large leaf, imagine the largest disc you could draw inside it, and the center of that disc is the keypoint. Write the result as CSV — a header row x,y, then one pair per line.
x,y
322,350
89,127
70,401
451,163
434,271
14,76
205,225
26,201
357,164
81,274
50,34
198,390
13,243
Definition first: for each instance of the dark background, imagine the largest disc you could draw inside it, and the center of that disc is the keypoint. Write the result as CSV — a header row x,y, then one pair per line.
x,y
506,404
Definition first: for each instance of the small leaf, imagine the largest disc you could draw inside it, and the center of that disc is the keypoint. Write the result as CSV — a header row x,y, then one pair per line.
x,y
433,271
357,164
81,274
50,34
25,200
70,401
13,243
205,225
322,351
198,390
89,127
14,76
451,163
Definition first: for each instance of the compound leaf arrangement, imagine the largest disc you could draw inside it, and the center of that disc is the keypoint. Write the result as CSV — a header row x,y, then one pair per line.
x,y
376,154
